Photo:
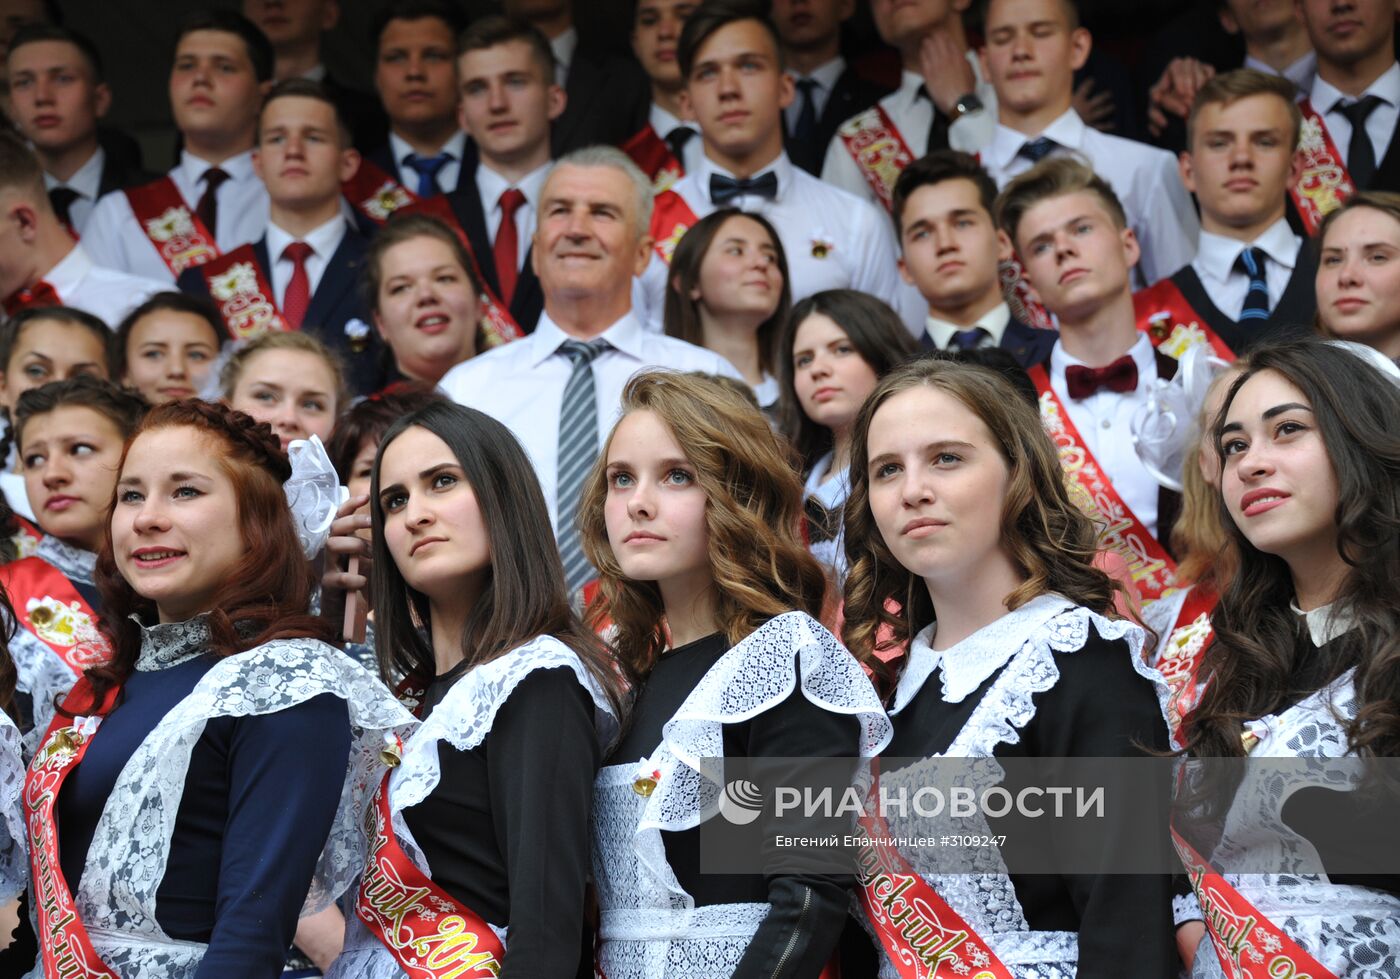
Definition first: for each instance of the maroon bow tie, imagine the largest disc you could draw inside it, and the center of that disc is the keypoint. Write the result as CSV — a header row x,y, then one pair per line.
x,y
1120,376
40,294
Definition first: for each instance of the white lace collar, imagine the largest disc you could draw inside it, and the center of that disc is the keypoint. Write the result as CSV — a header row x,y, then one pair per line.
x,y
169,644
1323,625
75,563
967,665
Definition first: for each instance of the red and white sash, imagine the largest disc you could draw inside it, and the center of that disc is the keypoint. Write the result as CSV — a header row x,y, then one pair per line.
x,y
64,946
1180,659
1248,944
878,149
54,612
376,195
1173,326
1120,530
671,218
650,152
175,232
920,933
1323,182
431,934
244,296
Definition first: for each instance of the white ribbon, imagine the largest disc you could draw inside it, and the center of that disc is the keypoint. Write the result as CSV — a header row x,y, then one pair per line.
x,y
314,493
1164,427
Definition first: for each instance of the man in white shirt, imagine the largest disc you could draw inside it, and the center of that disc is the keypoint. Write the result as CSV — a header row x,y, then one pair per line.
x,y
57,96
308,264
591,239
1356,94
951,251
40,263
667,145
415,74
942,100
1033,49
509,97
212,201
1072,236
1252,280
737,90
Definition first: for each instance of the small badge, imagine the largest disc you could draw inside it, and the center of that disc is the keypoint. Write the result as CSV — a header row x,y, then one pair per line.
x,y
358,332
822,247
1159,325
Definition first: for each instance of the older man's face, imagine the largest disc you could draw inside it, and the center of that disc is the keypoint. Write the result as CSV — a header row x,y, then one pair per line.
x,y
588,241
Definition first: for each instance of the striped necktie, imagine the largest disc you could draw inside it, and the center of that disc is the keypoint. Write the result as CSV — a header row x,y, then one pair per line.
x,y
1256,300
578,450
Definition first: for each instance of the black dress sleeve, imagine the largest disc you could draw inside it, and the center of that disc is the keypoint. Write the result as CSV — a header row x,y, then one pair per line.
x,y
286,771
541,758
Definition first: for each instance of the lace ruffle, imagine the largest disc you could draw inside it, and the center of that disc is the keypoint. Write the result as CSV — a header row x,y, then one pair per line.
x,y
41,673
75,563
1186,908
14,850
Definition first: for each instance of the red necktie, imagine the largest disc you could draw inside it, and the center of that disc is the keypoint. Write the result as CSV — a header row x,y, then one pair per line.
x,y
1120,376
507,245
40,294
298,294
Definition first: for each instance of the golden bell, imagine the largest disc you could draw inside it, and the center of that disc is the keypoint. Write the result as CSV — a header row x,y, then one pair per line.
x,y
1249,739
390,756
65,739
644,786
41,616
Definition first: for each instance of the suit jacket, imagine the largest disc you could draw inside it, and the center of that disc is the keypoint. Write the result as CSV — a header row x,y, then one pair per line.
x,y
336,301
528,301
1029,345
851,94
1291,319
605,96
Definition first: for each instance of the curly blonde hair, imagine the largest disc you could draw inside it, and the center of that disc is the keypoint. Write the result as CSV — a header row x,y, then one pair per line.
x,y
753,512
1051,541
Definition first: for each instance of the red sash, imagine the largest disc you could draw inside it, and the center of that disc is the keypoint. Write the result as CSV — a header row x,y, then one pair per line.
x,y
1163,313
244,296
430,934
378,196
879,149
175,232
1025,304
650,152
921,934
64,945
1121,531
1323,182
1249,945
1180,659
54,612
671,218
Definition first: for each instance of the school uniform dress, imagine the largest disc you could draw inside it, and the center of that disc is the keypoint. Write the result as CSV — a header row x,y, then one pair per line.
x,y
825,500
788,690
14,847
196,823
496,804
1049,679
107,293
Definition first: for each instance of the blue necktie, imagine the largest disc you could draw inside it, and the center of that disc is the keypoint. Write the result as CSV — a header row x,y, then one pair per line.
x,y
1037,149
967,339
1256,300
427,168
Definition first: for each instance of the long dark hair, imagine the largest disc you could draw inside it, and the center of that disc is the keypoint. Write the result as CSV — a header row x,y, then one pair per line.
x,y
267,594
875,330
1255,652
525,595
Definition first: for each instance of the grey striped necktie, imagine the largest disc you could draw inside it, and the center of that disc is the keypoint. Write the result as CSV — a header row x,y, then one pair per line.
x,y
578,449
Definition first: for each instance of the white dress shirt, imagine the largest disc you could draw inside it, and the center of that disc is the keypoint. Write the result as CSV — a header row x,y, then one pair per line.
x,y
86,182
1226,285
490,185
1301,73
323,241
564,47
826,76
994,322
1145,178
446,177
114,237
913,116
664,122
521,384
105,293
832,239
1104,421
1326,98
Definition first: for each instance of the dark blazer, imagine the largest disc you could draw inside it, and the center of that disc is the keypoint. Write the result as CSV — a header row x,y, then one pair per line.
x,y
606,95
121,166
336,301
383,158
528,301
851,94
1029,345
1291,319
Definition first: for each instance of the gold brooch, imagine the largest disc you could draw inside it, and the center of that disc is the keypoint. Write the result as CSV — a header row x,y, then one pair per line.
x,y
821,248
41,615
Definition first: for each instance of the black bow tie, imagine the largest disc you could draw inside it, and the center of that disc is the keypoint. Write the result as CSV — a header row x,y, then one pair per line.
x,y
724,189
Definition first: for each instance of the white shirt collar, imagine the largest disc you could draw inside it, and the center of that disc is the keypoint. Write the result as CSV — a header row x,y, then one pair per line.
x,y
1067,130
454,147
625,335
1325,95
965,666
317,72
86,180
1217,254
492,185
1142,352
994,321
1300,72
68,273
663,121
238,167
908,91
1322,625
324,239
781,168
825,75
564,47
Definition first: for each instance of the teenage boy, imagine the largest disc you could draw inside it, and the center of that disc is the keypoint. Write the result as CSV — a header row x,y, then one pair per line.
x,y
665,145
1252,278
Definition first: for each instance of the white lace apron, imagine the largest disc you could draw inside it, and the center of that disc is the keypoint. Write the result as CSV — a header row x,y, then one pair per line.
x,y
14,848
463,719
1036,633
126,861
1353,931
650,927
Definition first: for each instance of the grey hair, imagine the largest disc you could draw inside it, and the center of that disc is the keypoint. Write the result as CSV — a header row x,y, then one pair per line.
x,y
611,156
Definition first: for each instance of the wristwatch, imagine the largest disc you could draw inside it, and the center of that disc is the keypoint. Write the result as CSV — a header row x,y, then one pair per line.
x,y
965,104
